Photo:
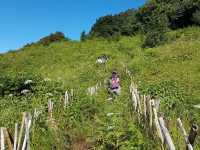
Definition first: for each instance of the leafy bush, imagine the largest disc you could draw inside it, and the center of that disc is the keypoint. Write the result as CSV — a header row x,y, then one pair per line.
x,y
196,17
82,109
16,84
171,95
54,37
154,38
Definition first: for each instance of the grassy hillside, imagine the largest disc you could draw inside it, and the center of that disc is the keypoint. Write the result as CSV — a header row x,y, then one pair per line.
x,y
170,72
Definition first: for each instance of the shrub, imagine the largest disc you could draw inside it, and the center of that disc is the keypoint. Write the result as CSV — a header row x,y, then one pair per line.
x,y
170,92
154,38
16,84
196,17
54,37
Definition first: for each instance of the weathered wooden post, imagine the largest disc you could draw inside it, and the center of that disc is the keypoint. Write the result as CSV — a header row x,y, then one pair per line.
x,y
2,139
167,137
66,100
137,98
182,129
150,113
93,90
157,104
26,142
21,131
28,119
8,140
15,137
50,109
138,101
145,107
134,101
193,134
157,125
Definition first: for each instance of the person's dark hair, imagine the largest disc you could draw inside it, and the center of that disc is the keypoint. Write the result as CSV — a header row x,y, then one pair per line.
x,y
114,72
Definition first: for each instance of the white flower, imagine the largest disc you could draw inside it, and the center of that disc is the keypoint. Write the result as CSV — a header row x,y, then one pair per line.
x,y
49,94
28,82
25,91
111,127
10,95
109,114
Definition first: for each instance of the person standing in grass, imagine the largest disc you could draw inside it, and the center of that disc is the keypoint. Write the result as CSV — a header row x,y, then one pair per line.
x,y
114,84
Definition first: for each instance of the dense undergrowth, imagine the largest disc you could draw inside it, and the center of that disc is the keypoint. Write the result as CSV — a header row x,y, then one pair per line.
x,y
170,72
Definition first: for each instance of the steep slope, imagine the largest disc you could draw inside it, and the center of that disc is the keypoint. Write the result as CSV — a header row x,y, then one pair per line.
x,y
170,72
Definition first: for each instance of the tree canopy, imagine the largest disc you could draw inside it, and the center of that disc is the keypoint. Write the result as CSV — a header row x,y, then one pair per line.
x,y
154,19
54,37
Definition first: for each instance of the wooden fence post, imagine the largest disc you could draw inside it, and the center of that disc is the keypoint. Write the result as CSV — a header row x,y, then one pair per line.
x,y
145,107
50,109
15,137
166,134
150,113
66,100
193,134
138,101
2,139
182,129
157,104
92,90
8,140
26,143
21,131
134,100
28,119
157,125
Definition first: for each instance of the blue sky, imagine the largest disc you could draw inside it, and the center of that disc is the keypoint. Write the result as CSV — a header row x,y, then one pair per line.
x,y
24,21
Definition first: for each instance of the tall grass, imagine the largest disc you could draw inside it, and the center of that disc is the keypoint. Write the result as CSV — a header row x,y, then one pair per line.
x,y
170,72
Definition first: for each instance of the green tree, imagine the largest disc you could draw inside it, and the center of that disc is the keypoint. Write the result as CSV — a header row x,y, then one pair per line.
x,y
83,36
110,26
152,19
54,37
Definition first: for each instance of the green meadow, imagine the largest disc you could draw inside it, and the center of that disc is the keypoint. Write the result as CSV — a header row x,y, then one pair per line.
x,y
170,72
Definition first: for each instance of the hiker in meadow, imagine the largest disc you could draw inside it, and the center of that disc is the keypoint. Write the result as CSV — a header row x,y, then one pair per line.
x,y
114,84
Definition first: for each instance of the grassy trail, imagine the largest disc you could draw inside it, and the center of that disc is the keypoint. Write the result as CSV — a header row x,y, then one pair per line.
x,y
114,126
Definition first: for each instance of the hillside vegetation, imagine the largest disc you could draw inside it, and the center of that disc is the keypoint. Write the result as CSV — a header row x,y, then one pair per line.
x,y
170,72
154,19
